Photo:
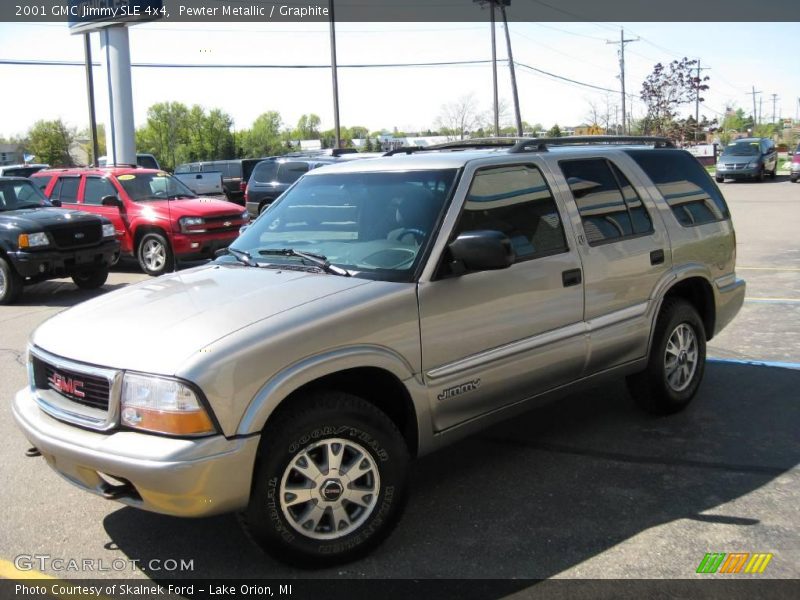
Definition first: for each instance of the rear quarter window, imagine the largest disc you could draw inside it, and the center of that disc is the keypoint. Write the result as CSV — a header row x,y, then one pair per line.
x,y
686,187
42,181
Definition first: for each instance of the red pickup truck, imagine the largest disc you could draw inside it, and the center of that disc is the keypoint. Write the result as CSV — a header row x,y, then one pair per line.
x,y
156,217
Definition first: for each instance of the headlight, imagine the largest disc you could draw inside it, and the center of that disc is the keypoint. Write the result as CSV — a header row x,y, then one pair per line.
x,y
187,222
796,166
246,216
752,164
162,405
32,240
720,165
108,230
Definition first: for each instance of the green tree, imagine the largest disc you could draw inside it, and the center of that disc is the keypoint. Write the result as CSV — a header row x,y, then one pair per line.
x,y
307,127
49,141
554,131
166,133
264,138
101,142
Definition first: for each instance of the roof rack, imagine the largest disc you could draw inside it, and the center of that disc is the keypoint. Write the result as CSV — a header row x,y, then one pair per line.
x,y
469,144
541,144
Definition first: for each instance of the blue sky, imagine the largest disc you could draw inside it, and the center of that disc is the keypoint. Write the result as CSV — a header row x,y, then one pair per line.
x,y
739,56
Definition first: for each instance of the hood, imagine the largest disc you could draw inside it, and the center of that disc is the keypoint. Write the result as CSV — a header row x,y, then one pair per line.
x,y
37,219
155,325
193,207
731,159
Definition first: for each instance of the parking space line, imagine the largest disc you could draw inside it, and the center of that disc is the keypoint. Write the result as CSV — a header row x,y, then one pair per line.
x,y
767,269
9,571
57,588
758,300
757,363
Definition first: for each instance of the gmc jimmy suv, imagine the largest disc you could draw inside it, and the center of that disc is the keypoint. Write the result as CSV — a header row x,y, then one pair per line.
x,y
377,311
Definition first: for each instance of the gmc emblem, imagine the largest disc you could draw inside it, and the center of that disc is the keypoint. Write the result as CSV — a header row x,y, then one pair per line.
x,y
66,385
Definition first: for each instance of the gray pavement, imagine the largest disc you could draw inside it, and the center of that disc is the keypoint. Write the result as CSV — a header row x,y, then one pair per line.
x,y
585,487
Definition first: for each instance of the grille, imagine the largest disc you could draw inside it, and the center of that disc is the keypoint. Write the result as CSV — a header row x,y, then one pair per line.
x,y
736,166
88,390
73,236
217,224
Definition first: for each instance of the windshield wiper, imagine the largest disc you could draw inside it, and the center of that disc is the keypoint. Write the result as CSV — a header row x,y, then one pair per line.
x,y
179,196
242,256
317,259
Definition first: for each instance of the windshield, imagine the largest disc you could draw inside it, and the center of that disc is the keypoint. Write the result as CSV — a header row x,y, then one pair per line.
x,y
20,194
375,225
153,186
742,149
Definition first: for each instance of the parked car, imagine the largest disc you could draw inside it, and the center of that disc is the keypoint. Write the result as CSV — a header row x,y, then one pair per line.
x,y
748,158
158,220
146,161
39,242
380,310
235,174
207,183
21,170
795,166
273,176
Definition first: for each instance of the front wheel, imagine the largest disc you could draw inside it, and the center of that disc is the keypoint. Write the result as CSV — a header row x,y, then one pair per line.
x,y
154,254
10,283
91,280
719,179
676,363
329,481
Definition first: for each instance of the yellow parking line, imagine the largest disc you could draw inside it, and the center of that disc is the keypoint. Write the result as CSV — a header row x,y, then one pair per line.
x,y
9,571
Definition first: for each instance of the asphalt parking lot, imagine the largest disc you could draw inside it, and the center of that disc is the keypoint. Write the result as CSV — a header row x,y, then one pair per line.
x,y
587,487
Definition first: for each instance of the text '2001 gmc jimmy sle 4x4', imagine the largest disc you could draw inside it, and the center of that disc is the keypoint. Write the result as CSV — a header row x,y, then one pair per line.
x,y
375,312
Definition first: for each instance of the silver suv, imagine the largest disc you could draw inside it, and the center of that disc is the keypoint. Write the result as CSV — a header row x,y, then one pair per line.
x,y
377,311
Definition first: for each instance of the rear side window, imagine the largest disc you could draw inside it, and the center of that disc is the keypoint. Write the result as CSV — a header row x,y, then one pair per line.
x,y
67,189
684,184
610,208
42,182
289,172
265,172
96,189
516,201
146,161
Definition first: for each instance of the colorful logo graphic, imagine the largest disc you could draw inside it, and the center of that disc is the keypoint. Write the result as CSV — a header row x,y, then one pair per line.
x,y
735,562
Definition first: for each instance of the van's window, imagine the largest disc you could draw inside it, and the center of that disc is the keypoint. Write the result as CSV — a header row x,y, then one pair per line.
x,y
610,208
685,185
289,172
42,182
265,172
516,201
68,190
96,189
146,161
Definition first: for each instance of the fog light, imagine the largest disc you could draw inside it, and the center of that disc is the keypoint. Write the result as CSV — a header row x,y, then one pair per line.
x,y
42,268
195,244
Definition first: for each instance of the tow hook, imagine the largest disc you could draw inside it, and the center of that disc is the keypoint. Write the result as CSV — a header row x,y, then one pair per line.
x,y
32,452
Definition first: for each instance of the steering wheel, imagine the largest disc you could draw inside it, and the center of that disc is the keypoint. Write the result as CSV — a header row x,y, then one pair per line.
x,y
160,194
418,235
379,259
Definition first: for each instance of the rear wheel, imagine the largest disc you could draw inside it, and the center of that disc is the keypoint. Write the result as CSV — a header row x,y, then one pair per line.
x,y
10,283
676,363
91,280
794,178
154,254
329,481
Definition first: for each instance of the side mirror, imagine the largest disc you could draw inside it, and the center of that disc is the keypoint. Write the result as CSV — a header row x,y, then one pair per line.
x,y
482,250
55,202
112,201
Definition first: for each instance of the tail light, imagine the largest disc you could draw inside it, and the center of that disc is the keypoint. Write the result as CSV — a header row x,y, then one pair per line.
x,y
242,186
246,194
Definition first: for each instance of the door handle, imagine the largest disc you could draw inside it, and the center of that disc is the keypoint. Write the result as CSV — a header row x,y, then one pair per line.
x,y
657,257
571,277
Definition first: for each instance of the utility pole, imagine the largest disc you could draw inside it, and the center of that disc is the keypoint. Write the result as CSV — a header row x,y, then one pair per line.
x,y
755,114
494,74
335,78
774,100
514,93
760,112
622,41
87,50
697,99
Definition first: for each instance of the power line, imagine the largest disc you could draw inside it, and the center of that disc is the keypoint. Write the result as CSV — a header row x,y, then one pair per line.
x,y
70,63
568,80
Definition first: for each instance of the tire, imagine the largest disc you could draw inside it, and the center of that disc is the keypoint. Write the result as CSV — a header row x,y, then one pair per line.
x,y
10,283
91,280
760,176
313,432
663,389
719,179
154,254
773,173
794,178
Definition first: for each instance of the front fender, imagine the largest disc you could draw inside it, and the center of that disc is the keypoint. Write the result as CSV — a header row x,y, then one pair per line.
x,y
312,368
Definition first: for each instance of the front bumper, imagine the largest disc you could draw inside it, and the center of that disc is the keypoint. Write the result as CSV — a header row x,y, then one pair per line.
x,y
201,245
62,263
173,476
746,173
